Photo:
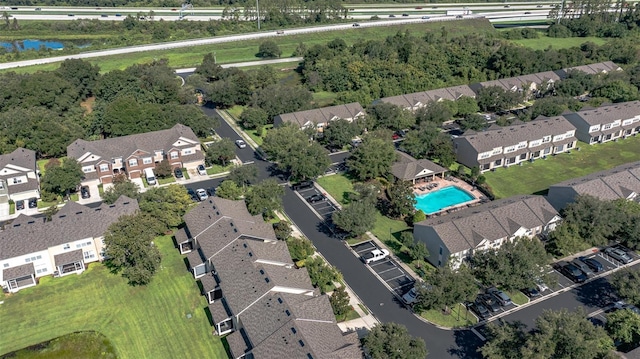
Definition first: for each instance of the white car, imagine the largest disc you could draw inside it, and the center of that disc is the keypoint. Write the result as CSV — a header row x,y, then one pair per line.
x,y
202,194
375,255
241,144
201,170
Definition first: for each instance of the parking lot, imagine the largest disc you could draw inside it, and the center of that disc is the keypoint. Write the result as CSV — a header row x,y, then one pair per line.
x,y
386,269
323,207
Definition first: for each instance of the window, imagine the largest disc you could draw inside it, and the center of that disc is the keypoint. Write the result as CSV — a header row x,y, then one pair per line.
x,y
133,162
546,139
104,167
66,246
17,180
485,155
87,169
174,155
43,270
6,265
27,260
607,126
187,151
147,160
89,255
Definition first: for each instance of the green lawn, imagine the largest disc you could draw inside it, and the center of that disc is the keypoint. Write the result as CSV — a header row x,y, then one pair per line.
x,y
518,297
338,186
71,346
166,180
536,177
41,164
140,322
215,169
544,42
351,314
459,317
324,98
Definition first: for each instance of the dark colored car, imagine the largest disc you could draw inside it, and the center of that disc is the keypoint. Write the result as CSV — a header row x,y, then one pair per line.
x,y
19,205
178,173
192,194
572,272
405,15
500,296
392,15
480,310
316,198
489,301
84,192
531,292
593,264
104,15
211,191
302,185
33,202
527,12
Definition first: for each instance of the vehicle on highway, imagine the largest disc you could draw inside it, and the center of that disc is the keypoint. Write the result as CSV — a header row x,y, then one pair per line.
x,y
19,205
583,267
500,296
84,192
459,16
489,301
38,8
33,202
419,8
241,144
201,170
527,12
118,15
572,272
425,18
104,15
593,264
375,255
539,6
302,185
202,194
405,15
618,254
479,309
392,15
507,6
70,15
279,32
355,24
14,8
316,198
178,173
531,292
174,9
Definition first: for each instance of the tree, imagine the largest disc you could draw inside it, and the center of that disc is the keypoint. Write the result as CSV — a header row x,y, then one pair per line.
x,y
624,326
277,98
129,248
430,142
339,300
339,133
269,48
82,74
265,198
504,341
372,158
389,116
220,152
229,190
393,341
300,248
209,68
473,122
435,113
322,275
357,218
627,284
121,187
166,204
467,106
418,251
448,287
282,230
243,175
64,178
163,169
494,98
254,117
594,220
401,199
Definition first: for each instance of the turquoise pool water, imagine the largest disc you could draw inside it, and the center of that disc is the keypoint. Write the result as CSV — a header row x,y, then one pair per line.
x,y
435,201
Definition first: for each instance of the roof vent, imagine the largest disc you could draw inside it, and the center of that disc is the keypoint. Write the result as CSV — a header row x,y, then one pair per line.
x,y
79,212
62,216
16,225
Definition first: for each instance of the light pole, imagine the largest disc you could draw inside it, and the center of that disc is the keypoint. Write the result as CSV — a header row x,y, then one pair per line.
x,y
258,11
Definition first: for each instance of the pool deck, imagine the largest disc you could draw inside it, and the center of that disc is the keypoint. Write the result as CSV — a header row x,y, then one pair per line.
x,y
428,187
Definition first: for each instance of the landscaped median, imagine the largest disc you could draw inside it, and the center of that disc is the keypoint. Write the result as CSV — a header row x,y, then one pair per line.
x,y
459,317
165,319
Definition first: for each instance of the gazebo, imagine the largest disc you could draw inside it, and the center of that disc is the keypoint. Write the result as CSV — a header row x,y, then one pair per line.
x,y
410,169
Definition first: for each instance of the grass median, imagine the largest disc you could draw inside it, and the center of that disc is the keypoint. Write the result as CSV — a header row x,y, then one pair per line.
x,y
164,319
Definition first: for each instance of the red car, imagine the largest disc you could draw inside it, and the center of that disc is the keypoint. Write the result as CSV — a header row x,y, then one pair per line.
x,y
395,136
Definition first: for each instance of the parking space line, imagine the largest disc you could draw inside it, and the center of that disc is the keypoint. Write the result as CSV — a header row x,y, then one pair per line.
x,y
386,270
400,276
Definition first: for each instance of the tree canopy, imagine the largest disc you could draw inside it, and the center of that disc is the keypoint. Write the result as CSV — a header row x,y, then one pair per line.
x,y
265,198
372,158
393,341
63,178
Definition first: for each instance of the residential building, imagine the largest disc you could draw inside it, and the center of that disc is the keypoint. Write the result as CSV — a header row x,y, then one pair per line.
x,y
529,85
592,69
19,178
606,123
408,168
619,182
321,117
131,155
31,247
455,237
507,146
417,100
256,295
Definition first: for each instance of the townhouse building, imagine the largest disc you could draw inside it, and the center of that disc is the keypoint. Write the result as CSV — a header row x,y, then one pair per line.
x,y
19,179
255,293
417,100
32,247
321,117
453,238
606,123
507,146
131,155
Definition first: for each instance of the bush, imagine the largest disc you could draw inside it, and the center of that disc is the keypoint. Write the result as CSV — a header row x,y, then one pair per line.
x,y
557,30
300,248
282,229
419,216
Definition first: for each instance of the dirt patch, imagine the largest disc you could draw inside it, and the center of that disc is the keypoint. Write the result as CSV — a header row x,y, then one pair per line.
x,y
87,105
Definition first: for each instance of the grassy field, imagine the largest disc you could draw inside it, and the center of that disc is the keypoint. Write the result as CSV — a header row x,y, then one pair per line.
x,y
536,177
140,322
71,346
544,42
240,51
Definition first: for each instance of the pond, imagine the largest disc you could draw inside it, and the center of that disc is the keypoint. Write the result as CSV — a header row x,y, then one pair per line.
x,y
23,45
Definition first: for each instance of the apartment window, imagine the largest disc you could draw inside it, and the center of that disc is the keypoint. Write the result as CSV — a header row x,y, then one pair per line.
x,y
146,160
485,155
104,167
6,265
89,255
17,180
188,151
607,126
133,162
87,169
547,151
66,246
43,270
174,155
28,260
546,139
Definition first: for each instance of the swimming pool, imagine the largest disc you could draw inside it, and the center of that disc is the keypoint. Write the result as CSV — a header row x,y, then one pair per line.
x,y
435,201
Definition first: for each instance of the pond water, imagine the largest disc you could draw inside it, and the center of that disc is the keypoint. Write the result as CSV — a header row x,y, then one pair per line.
x,y
23,45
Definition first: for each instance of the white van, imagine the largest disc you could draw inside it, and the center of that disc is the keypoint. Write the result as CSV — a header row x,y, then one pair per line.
x,y
151,178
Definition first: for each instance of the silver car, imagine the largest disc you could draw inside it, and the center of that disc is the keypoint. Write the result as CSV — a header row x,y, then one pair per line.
x,y
618,254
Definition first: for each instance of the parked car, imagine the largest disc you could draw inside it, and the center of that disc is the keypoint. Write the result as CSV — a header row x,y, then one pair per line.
x,y
623,305
316,198
480,310
202,194
593,264
500,296
531,292
375,255
178,173
20,205
84,192
241,144
201,170
572,272
583,267
192,194
489,301
211,191
302,185
618,254
33,202
540,285
410,297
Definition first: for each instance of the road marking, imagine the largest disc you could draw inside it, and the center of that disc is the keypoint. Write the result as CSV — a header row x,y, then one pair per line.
x,y
386,270
400,276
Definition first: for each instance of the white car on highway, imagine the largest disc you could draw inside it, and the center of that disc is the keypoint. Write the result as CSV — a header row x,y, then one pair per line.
x,y
375,255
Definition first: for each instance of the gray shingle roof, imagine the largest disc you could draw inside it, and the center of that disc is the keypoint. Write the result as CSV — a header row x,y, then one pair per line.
x,y
20,157
407,167
68,257
125,146
608,114
498,219
237,344
618,182
18,271
594,69
424,97
73,222
19,162
322,115
209,283
218,311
